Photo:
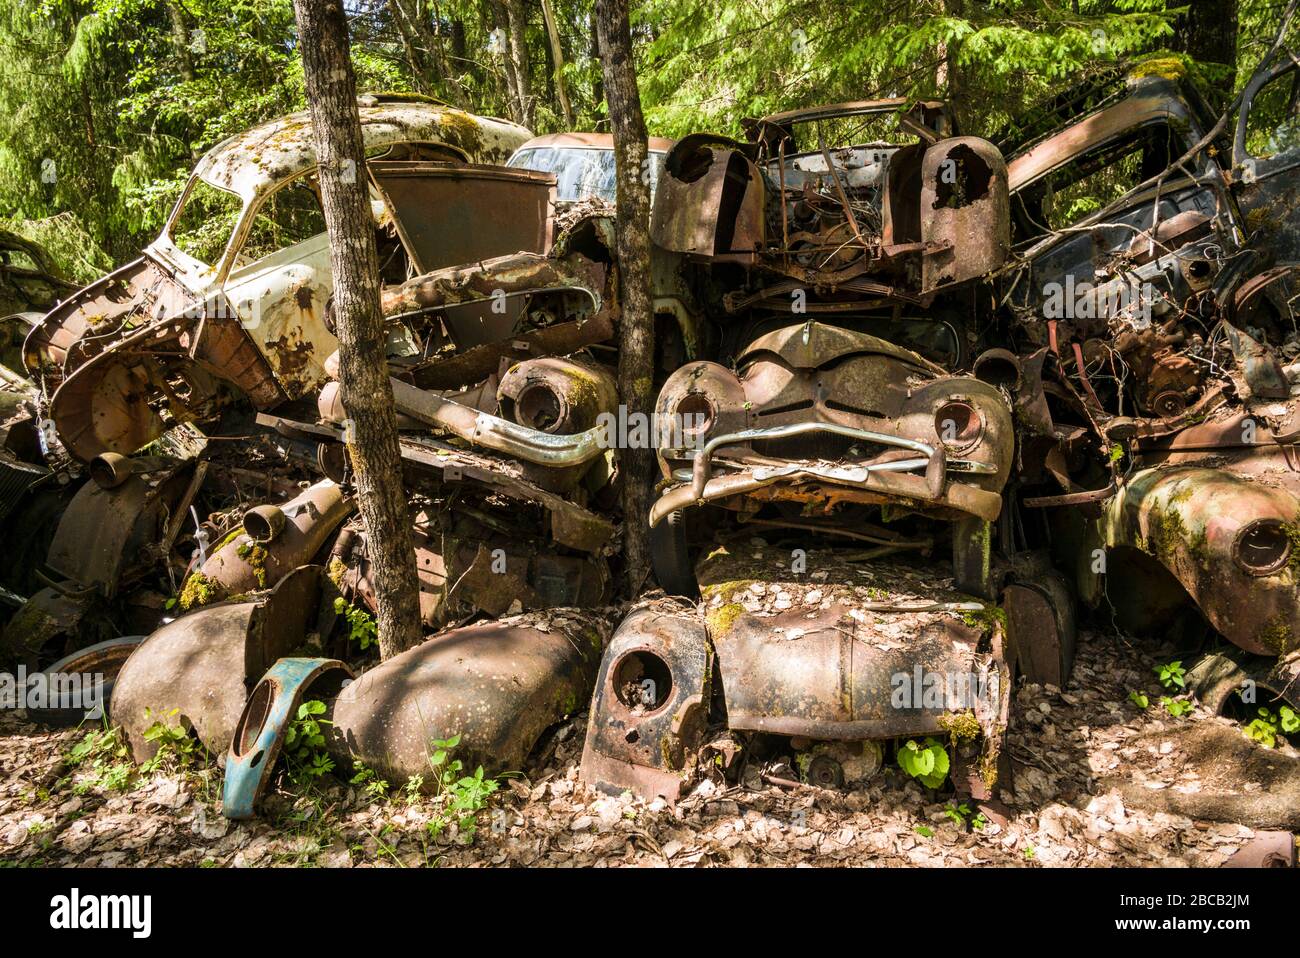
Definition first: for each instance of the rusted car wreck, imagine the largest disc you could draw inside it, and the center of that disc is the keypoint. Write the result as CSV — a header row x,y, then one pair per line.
x,y
1156,342
919,393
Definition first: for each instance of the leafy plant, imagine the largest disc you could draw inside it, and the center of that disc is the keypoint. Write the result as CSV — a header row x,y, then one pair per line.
x,y
963,815
459,797
174,746
370,782
1288,719
362,628
1266,728
412,789
1176,707
924,831
927,763
105,758
1262,731
304,744
1140,699
1171,675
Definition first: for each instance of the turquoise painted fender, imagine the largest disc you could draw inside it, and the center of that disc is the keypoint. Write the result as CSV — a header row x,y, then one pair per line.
x,y
264,722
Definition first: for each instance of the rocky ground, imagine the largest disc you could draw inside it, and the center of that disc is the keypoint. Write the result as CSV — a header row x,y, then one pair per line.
x,y
1073,750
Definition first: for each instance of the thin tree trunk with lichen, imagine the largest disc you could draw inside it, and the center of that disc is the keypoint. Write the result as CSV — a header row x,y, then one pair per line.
x,y
501,20
181,40
517,51
363,370
632,226
557,56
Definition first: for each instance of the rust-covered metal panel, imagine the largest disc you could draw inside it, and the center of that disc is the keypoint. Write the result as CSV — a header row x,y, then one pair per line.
x,y
651,704
448,214
197,671
498,686
1228,539
709,201
965,211
823,677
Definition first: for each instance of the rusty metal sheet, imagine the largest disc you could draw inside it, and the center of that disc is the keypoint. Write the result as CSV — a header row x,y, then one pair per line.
x,y
934,113
965,211
1095,129
448,215
106,535
197,671
483,303
571,524
1040,628
824,678
849,656
477,363
709,201
498,686
1227,539
651,704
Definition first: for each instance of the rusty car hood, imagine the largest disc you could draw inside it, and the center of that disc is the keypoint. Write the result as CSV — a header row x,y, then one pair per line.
x,y
251,162
813,345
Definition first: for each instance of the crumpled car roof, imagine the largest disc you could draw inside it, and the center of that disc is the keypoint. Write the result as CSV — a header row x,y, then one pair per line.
x,y
252,162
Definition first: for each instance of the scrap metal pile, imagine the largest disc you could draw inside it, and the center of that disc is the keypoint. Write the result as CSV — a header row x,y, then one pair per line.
x,y
923,399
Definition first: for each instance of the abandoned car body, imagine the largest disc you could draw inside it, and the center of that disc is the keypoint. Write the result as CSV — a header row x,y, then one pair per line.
x,y
839,423
234,291
1158,322
872,330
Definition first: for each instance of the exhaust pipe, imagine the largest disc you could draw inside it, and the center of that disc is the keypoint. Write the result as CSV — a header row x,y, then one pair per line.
x,y
111,469
264,554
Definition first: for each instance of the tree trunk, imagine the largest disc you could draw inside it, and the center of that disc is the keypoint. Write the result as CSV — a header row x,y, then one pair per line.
x,y
363,371
597,87
501,21
632,227
1208,33
557,56
181,41
518,53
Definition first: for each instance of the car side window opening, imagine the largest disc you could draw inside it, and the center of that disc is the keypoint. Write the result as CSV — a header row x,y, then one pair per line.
x,y
1092,181
289,216
1273,119
206,220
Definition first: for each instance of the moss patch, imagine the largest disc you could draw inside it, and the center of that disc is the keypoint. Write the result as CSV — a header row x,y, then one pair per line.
x,y
1277,635
1166,533
721,619
255,555
986,619
336,571
198,591
960,726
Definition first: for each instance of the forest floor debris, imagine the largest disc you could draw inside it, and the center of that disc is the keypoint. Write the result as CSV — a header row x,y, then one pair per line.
x,y
1070,747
